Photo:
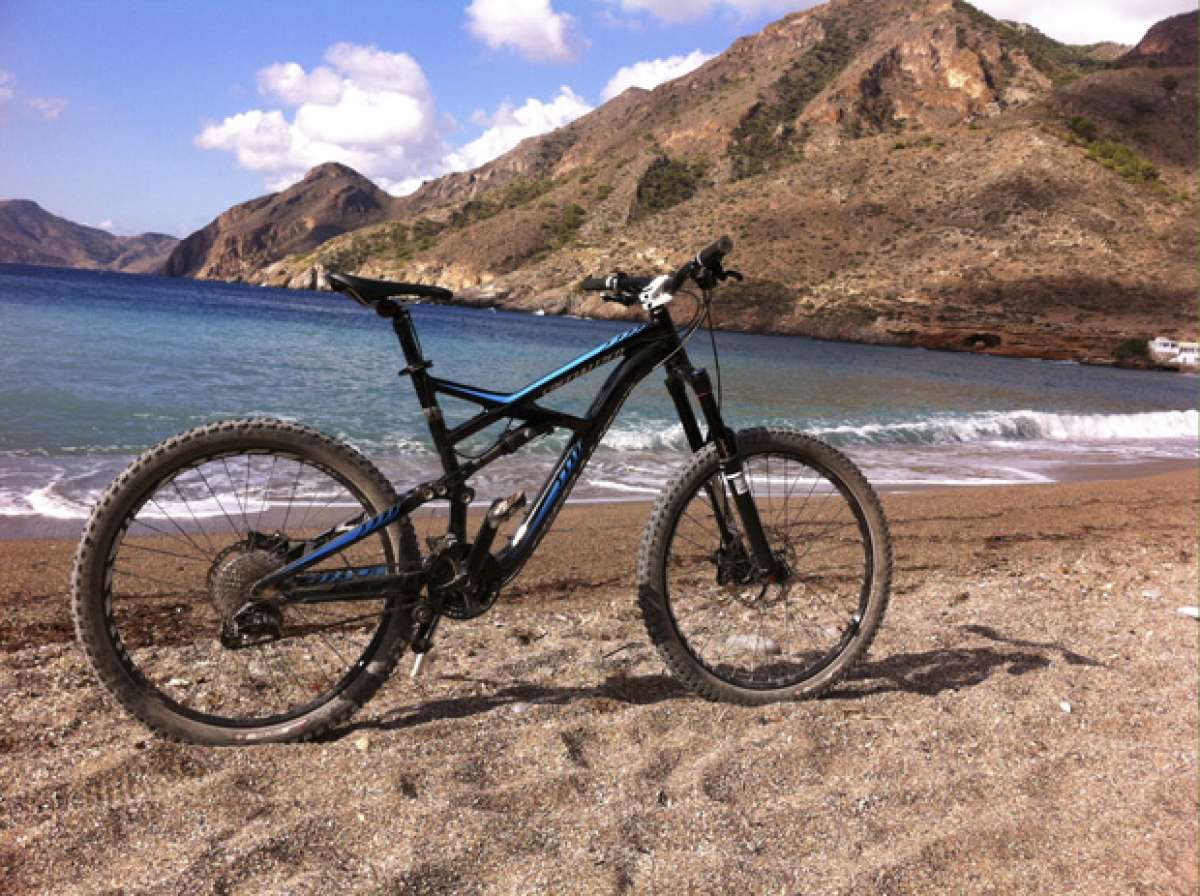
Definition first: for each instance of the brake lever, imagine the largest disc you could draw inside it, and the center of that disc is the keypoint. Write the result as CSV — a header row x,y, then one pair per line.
x,y
735,275
619,299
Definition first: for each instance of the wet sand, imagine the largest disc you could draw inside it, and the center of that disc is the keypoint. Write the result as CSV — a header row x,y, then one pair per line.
x,y
548,752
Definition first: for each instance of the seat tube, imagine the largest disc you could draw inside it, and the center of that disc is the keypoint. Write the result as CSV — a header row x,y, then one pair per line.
x,y
733,472
417,369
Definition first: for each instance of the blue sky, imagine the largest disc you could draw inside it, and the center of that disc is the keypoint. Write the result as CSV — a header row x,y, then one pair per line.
x,y
160,115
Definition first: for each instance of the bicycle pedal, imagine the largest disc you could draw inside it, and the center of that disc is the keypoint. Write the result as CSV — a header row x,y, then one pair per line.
x,y
422,662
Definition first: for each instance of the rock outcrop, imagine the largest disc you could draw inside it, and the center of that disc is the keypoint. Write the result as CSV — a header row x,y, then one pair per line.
x,y
31,235
330,200
1172,42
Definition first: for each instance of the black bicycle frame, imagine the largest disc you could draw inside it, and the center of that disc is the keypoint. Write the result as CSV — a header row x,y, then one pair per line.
x,y
641,349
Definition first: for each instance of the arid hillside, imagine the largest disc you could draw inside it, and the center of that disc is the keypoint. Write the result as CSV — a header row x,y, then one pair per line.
x,y
31,235
1172,41
330,200
890,172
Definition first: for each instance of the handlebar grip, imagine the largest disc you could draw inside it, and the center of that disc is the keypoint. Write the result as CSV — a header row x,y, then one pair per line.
x,y
714,252
616,283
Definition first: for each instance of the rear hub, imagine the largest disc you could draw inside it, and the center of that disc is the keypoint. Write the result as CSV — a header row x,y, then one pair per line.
x,y
244,622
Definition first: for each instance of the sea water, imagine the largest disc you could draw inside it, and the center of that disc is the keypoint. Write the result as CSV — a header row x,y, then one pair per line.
x,y
96,367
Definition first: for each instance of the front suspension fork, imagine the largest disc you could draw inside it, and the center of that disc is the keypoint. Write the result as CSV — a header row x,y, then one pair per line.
x,y
732,468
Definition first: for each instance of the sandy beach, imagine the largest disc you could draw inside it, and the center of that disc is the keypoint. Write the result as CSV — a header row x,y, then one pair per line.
x,y
1026,722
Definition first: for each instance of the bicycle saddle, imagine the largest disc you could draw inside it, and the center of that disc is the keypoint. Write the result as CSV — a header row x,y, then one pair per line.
x,y
375,290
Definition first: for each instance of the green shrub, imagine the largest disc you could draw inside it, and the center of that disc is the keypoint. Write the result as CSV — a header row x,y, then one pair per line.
x,y
666,183
767,133
1132,350
1142,109
1083,128
1112,155
1123,160
516,194
395,241
556,232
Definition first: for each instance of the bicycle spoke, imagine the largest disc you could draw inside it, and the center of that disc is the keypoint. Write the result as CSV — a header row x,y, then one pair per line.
x,y
769,636
173,600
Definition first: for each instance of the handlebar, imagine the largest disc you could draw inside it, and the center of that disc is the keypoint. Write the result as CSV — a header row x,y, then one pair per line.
x,y
616,283
706,267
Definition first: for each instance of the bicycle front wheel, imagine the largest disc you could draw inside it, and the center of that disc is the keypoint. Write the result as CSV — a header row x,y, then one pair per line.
x,y
162,581
722,628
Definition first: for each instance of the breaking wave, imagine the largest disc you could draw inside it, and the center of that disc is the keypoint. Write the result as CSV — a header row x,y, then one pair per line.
x,y
999,426
1021,426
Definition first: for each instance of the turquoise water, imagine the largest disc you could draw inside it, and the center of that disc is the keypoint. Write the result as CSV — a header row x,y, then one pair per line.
x,y
95,367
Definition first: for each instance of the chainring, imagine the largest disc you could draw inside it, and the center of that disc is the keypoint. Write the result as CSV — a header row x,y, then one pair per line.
x,y
448,587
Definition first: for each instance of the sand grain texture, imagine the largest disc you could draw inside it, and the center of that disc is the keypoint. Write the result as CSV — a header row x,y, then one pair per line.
x,y
548,752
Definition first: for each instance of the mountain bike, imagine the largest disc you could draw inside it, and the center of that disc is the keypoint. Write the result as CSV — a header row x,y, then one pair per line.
x,y
254,580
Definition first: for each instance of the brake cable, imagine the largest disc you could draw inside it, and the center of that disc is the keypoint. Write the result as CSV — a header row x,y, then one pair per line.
x,y
712,337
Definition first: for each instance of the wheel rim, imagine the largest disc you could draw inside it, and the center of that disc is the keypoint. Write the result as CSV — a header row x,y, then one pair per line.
x,y
764,636
183,550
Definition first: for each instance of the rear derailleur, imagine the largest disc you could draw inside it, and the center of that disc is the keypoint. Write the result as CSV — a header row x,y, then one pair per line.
x,y
246,622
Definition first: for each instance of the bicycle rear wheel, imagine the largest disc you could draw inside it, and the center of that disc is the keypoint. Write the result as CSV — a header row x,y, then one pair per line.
x,y
723,629
165,565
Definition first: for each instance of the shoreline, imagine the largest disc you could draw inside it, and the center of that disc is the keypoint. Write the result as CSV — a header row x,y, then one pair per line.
x,y
27,527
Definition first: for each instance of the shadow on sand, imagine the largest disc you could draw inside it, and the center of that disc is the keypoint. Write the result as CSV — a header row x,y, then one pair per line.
x,y
927,673
931,672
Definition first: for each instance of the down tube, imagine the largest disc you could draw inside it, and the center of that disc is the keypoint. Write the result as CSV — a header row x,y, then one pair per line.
x,y
576,455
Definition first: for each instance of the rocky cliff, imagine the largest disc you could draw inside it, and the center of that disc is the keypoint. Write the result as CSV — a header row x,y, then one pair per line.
x,y
1172,42
330,200
31,235
890,172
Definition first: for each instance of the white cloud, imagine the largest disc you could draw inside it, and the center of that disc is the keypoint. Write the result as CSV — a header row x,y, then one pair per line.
x,y
292,84
367,108
689,10
106,224
531,27
1087,21
509,126
49,107
371,110
649,73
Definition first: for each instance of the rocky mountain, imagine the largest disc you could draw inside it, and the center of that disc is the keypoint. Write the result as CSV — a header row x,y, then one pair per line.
x,y
1172,42
31,235
330,200
890,172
